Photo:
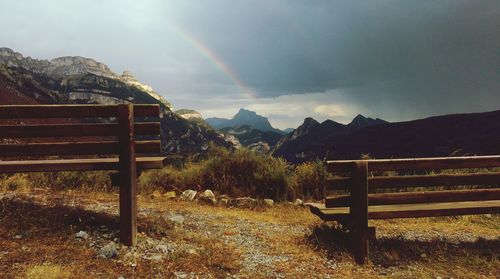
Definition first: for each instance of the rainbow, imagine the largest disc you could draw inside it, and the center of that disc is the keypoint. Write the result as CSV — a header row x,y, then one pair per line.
x,y
214,59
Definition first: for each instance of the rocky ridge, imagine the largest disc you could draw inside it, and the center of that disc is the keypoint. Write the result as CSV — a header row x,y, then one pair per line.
x,y
314,140
70,80
63,67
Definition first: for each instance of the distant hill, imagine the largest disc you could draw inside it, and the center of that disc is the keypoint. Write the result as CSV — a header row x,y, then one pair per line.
x,y
216,122
250,129
288,130
448,135
70,80
314,140
253,138
243,117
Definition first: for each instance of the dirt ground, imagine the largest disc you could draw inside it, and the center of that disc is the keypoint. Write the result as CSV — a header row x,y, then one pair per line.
x,y
73,234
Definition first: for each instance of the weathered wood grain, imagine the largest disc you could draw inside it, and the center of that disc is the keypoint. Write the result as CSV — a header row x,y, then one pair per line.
x,y
420,163
72,111
420,197
74,130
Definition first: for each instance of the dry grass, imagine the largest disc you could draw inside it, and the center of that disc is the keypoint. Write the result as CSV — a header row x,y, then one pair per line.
x,y
458,247
47,271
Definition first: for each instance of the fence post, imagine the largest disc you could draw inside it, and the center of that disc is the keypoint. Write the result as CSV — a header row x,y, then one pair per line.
x,y
359,211
128,173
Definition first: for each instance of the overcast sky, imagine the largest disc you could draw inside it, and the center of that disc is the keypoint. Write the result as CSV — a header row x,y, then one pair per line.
x,y
392,59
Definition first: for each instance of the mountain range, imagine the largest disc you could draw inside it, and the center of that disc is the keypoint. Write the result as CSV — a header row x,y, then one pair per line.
x,y
249,129
244,117
447,135
314,140
74,79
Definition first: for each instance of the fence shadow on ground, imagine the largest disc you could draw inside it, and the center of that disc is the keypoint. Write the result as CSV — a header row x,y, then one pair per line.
x,y
397,251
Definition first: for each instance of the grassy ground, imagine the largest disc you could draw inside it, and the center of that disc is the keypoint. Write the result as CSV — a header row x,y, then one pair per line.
x,y
190,240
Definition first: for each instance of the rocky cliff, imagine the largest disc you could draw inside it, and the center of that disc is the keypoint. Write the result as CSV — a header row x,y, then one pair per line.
x,y
24,80
243,117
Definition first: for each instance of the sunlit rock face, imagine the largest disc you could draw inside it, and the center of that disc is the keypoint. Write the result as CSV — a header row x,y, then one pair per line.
x,y
71,66
189,114
75,79
129,79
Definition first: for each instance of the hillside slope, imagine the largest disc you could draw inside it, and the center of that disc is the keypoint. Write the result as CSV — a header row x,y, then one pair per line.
x,y
448,135
70,80
313,140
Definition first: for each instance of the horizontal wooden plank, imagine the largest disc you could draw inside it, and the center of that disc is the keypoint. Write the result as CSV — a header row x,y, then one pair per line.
x,y
411,210
420,197
77,164
74,148
146,128
72,111
146,110
74,130
420,163
376,182
492,178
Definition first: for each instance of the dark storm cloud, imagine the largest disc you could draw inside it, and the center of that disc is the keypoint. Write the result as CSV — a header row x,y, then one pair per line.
x,y
393,59
418,54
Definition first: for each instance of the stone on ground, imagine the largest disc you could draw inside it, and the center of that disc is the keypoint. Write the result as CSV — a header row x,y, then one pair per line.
x,y
268,202
188,195
82,235
170,195
109,251
207,196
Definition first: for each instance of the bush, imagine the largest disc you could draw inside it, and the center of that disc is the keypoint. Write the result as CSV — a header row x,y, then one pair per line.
x,y
309,180
239,173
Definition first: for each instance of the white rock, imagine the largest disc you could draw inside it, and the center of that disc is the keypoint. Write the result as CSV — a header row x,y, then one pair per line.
x,y
170,195
188,195
163,248
109,251
82,235
156,194
268,202
298,202
207,196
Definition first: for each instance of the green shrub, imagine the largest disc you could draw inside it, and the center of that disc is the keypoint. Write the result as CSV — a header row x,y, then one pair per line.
x,y
309,180
239,173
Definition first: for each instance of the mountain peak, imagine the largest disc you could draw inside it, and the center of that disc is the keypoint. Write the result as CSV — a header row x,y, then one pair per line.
x,y
309,121
243,111
359,117
361,121
243,117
